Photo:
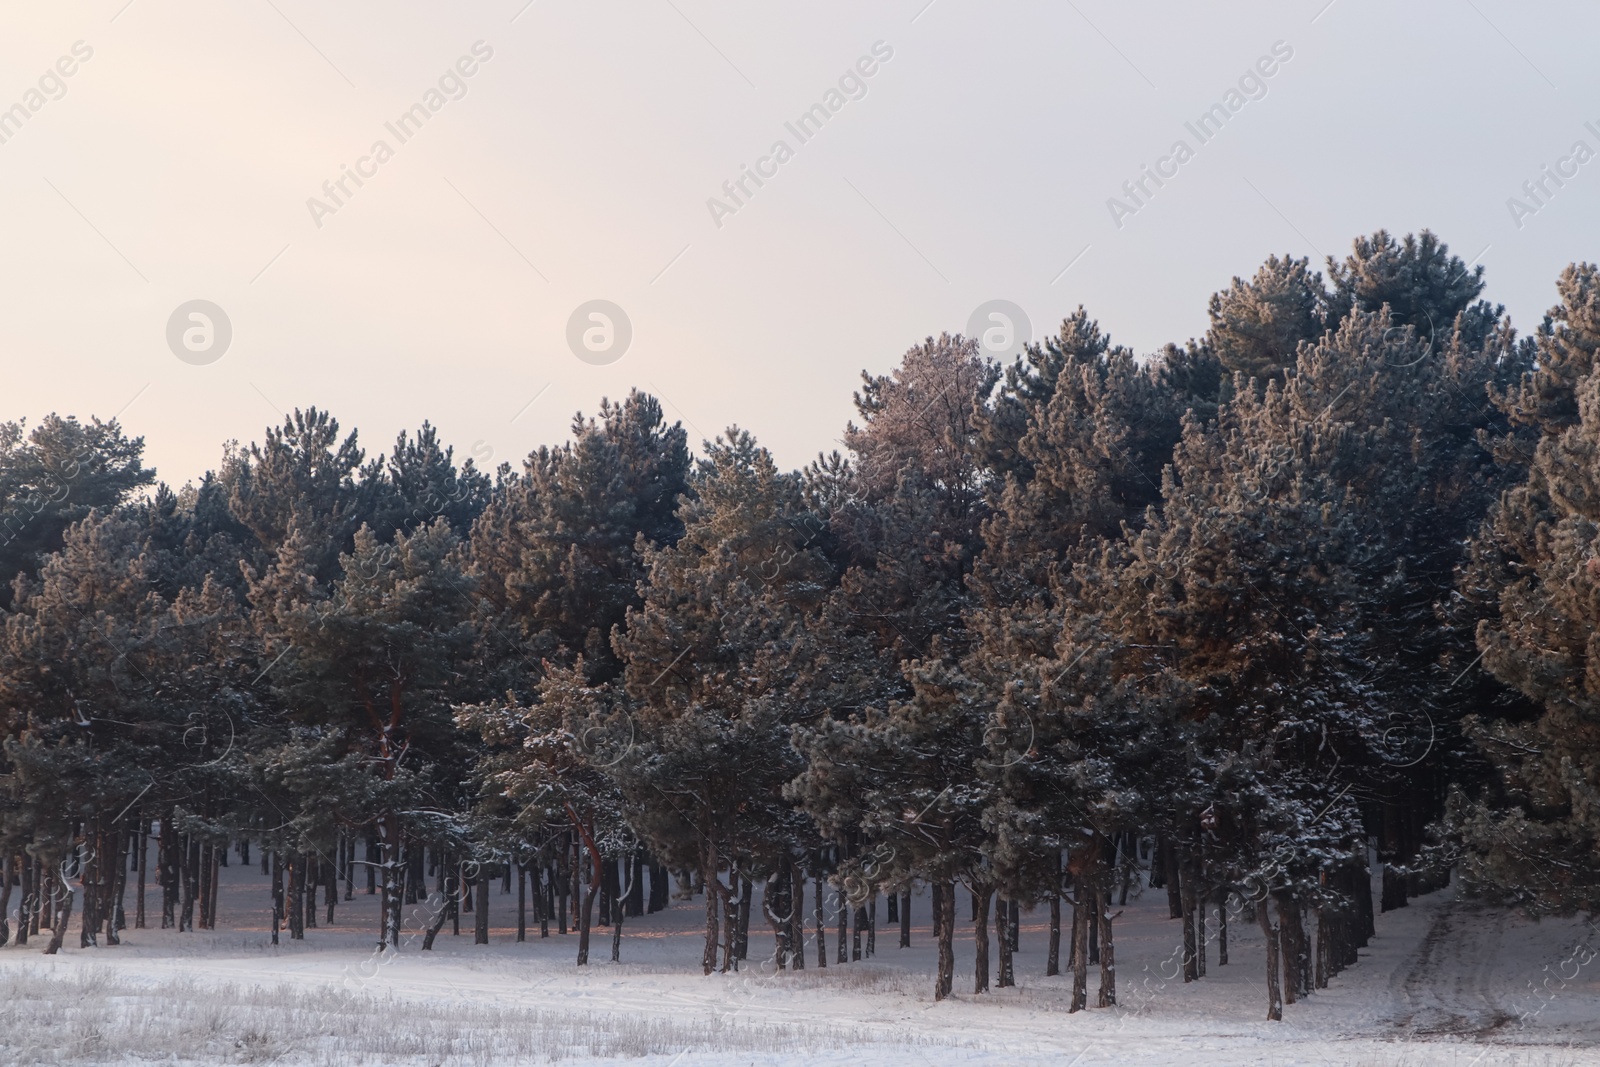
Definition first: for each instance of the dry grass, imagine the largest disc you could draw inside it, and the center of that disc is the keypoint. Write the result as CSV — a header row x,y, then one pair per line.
x,y
1478,1057
93,1016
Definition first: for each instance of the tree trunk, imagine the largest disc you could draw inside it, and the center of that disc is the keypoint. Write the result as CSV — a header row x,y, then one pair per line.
x,y
860,925
437,925
586,918
311,864
1222,929
144,862
449,872
559,885
1107,996
905,919
776,907
27,910
1322,941
741,944
277,893
522,903
1192,966
330,890
89,862
797,912
708,870
626,902
170,852
660,888
1002,915
980,939
844,926
945,922
1366,926
1169,865
1052,960
1269,930
314,877
1094,941
297,893
1288,949
618,913
480,916
1302,945
546,896
822,923
388,835
63,915
730,924
116,919
201,861
5,899
635,903
1081,910
609,886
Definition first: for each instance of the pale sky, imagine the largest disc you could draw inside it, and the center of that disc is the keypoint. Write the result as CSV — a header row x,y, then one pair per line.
x,y
577,161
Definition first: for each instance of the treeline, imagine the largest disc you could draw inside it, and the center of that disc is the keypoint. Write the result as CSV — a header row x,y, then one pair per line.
x,y
1235,614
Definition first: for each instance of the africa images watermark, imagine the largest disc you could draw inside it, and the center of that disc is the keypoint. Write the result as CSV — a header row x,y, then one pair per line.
x,y
1538,190
852,85
1252,85
452,85
51,85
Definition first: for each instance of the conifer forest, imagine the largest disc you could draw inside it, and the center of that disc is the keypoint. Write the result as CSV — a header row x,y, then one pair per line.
x,y
1283,627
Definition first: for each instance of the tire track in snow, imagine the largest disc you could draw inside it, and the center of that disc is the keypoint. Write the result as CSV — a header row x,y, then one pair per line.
x,y
1446,988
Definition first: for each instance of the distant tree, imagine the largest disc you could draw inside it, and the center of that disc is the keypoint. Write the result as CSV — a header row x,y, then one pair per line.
x,y
709,675
560,557
83,712
1417,278
371,662
302,477
51,477
1256,326
560,549
422,483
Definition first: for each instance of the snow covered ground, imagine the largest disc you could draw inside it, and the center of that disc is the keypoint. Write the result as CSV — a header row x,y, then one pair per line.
x,y
1445,984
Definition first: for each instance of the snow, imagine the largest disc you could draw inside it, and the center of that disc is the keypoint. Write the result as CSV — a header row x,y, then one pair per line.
x,y
1445,983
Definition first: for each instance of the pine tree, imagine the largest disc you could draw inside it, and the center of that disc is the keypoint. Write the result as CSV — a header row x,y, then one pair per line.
x,y
370,663
560,556
302,476
710,677
82,712
1536,575
1257,326
1417,278
51,477
559,550
1066,736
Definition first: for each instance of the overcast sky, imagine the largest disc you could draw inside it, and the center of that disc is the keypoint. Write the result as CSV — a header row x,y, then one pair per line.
x,y
177,162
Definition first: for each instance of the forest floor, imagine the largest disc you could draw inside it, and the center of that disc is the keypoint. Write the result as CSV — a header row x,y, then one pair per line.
x,y
1444,984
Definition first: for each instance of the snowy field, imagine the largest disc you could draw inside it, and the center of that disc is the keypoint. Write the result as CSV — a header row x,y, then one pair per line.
x,y
1443,985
